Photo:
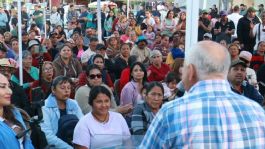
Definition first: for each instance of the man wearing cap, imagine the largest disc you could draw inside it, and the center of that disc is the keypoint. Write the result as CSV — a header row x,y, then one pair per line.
x,y
19,97
251,74
204,25
236,77
207,36
258,31
224,29
244,28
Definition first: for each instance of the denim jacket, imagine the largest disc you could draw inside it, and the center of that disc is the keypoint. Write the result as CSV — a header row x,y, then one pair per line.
x,y
51,116
8,136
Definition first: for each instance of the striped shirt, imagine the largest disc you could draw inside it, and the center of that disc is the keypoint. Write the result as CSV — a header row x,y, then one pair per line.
x,y
209,116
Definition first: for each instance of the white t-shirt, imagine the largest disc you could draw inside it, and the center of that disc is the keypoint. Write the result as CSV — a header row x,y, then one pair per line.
x,y
150,21
256,33
93,134
235,18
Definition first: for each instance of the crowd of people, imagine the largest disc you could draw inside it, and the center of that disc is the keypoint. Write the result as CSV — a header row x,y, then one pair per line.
x,y
138,81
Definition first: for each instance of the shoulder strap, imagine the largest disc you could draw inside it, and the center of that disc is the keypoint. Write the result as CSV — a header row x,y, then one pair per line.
x,y
259,32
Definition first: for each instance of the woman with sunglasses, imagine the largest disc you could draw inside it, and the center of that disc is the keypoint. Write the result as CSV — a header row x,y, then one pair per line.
x,y
98,128
94,78
144,113
130,94
11,122
57,105
157,71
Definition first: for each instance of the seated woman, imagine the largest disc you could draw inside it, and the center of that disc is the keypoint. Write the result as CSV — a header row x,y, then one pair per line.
x,y
157,71
30,73
144,113
46,78
66,65
11,122
130,94
121,61
58,104
100,62
94,78
100,121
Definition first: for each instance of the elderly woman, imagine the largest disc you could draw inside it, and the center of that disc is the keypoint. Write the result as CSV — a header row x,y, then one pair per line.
x,y
144,113
98,122
30,73
65,64
121,61
11,122
35,47
234,51
57,105
46,78
113,46
157,70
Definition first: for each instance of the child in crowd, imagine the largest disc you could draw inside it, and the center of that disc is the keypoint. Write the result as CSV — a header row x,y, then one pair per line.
x,y
149,35
170,86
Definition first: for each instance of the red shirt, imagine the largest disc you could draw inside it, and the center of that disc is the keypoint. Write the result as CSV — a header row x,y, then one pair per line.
x,y
158,74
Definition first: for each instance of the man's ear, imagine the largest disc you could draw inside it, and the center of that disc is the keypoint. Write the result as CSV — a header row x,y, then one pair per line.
x,y
192,73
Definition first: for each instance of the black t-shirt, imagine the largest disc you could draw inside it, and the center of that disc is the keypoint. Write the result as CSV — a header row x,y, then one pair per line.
x,y
62,112
228,25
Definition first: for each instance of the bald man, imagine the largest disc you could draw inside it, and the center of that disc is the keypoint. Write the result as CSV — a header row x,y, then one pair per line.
x,y
210,115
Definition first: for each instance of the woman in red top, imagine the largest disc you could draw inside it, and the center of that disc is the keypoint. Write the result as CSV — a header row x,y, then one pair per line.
x,y
157,70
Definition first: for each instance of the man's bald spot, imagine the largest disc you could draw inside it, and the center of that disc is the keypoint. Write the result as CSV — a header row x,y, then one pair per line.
x,y
214,49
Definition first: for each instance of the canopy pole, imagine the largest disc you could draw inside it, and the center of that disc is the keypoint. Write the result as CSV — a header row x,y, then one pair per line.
x,y
20,42
192,22
99,21
128,7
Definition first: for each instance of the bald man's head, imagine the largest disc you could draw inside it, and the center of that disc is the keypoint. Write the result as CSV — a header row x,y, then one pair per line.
x,y
209,58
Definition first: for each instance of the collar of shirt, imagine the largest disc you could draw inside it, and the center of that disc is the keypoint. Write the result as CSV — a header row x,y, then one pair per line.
x,y
210,85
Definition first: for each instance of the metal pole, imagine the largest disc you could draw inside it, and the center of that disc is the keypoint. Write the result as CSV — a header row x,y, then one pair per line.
x,y
99,21
192,23
20,42
44,17
128,7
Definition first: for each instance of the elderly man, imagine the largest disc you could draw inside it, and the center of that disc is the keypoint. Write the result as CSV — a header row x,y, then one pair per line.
x,y
236,77
210,115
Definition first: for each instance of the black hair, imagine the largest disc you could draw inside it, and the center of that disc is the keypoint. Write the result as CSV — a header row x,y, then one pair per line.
x,y
151,85
114,17
171,76
60,80
141,65
93,39
65,45
91,67
97,56
95,91
132,59
260,43
168,13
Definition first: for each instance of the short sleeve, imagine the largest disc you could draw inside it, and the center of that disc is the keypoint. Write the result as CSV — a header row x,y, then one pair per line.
x,y
82,134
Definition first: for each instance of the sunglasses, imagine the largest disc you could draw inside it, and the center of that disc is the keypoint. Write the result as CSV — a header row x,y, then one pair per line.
x,y
93,76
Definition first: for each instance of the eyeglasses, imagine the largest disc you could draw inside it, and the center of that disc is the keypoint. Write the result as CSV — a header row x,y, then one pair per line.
x,y
153,94
93,76
48,69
